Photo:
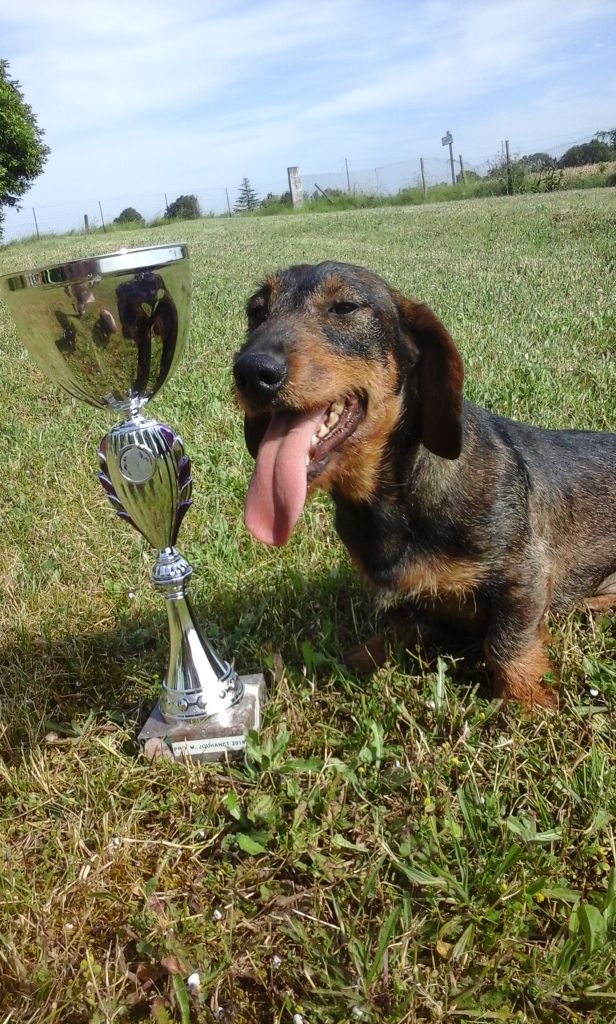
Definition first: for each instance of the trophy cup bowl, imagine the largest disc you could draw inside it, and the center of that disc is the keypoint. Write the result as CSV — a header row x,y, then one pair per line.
x,y
110,330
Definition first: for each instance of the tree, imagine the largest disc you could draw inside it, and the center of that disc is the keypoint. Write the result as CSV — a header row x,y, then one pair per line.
x,y
593,152
536,162
184,208
609,137
247,198
129,216
22,150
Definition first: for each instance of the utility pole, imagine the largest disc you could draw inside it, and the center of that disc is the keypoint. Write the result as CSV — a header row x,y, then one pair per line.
x,y
447,140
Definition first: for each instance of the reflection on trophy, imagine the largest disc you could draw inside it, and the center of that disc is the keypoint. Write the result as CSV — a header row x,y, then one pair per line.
x,y
111,330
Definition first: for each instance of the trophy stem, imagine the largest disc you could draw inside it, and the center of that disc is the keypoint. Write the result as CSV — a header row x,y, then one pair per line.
x,y
205,710
199,683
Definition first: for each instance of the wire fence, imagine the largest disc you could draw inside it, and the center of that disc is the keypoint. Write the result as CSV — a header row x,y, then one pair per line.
x,y
389,179
386,180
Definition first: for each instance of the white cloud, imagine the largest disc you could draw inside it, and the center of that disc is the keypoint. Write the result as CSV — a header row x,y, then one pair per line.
x,y
143,96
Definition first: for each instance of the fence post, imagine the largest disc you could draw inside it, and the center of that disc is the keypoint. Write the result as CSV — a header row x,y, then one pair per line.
x,y
324,194
423,176
228,203
102,218
509,169
462,172
35,223
295,187
86,223
348,176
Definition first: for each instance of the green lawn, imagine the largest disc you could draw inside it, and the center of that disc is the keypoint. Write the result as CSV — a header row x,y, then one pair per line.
x,y
396,849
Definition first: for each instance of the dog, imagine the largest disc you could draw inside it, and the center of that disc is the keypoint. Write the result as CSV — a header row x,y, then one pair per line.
x,y
478,523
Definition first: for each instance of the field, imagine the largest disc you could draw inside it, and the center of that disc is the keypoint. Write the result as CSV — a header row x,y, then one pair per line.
x,y
395,849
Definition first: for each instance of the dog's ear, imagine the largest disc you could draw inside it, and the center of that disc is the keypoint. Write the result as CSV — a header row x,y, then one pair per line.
x,y
440,373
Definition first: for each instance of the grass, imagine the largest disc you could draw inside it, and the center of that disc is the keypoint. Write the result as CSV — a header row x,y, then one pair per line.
x,y
573,174
398,849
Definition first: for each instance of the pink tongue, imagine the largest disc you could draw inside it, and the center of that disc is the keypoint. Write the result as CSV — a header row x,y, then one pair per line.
x,y
277,491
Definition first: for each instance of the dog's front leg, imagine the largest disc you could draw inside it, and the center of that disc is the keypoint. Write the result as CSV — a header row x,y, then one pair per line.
x,y
415,626
401,623
515,647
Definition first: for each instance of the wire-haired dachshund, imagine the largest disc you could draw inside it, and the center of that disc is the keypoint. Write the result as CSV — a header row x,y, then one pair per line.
x,y
481,523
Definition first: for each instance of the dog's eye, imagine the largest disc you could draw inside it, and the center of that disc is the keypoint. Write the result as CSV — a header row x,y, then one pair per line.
x,y
256,313
342,308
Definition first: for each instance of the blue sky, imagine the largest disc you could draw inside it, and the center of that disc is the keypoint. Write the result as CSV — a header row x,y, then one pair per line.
x,y
140,98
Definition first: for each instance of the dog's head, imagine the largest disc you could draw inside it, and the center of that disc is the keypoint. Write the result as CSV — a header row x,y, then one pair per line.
x,y
334,363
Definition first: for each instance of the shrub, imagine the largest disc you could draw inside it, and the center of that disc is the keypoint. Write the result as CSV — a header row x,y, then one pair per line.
x,y
184,208
274,200
129,216
549,180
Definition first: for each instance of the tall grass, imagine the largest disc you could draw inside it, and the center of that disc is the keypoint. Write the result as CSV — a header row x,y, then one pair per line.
x,y
472,187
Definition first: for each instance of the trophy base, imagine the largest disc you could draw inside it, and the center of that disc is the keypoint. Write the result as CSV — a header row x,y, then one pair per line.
x,y
222,735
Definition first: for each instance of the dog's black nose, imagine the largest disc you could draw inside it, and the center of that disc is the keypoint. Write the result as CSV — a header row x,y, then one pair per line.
x,y
259,375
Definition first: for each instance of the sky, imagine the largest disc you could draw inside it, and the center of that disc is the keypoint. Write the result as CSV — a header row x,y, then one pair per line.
x,y
142,99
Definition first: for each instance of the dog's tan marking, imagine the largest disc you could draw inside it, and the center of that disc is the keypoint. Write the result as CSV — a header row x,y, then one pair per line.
x,y
523,680
317,374
600,603
431,578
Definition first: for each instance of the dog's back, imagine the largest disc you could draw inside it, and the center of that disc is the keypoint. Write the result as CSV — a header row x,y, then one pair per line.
x,y
571,490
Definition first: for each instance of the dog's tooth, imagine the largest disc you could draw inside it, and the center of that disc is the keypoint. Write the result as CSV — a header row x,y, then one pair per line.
x,y
314,440
307,460
322,431
332,419
338,406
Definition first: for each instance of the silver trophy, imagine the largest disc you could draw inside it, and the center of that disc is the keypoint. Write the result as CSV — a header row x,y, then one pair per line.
x,y
111,330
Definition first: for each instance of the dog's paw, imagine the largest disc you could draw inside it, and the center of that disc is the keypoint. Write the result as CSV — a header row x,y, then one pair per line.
x,y
367,657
